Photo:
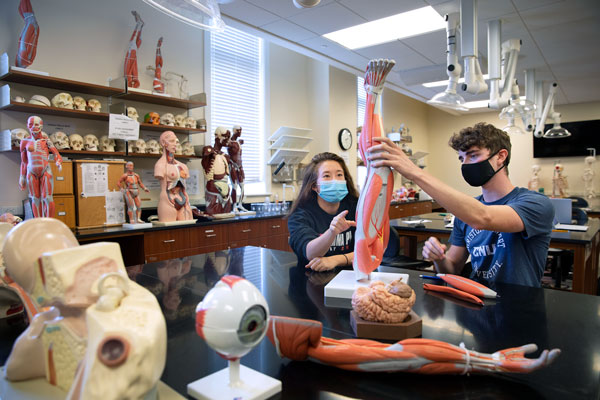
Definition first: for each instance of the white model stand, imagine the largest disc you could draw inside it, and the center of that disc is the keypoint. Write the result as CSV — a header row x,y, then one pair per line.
x,y
5,67
174,223
223,215
234,382
138,226
244,213
344,284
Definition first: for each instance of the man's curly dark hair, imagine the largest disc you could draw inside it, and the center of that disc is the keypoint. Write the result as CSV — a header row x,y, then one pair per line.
x,y
482,135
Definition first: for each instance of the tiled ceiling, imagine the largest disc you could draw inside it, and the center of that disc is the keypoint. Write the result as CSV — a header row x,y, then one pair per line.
x,y
560,39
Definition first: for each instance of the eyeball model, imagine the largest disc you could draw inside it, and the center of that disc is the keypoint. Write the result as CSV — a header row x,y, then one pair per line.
x,y
233,317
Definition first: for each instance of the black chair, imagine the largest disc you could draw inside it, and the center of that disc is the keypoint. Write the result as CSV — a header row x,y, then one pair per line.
x,y
579,216
579,202
392,258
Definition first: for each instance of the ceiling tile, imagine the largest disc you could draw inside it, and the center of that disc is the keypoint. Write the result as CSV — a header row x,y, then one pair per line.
x,y
376,9
248,13
328,18
431,45
282,8
288,30
405,57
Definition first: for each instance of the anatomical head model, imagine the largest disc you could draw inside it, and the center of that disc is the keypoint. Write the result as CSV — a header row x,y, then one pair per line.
x,y
173,201
132,113
152,118
215,163
90,324
35,168
29,36
130,184
135,41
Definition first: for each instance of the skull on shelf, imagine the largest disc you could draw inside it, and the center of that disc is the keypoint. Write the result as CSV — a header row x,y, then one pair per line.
x,y
60,140
93,105
152,118
19,99
167,119
39,100
201,124
107,144
79,103
187,148
120,145
190,122
90,142
180,120
152,147
138,146
63,100
76,141
178,149
16,135
132,113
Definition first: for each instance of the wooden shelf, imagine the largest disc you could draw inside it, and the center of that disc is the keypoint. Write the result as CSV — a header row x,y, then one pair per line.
x,y
61,112
64,85
94,153
163,100
148,155
176,129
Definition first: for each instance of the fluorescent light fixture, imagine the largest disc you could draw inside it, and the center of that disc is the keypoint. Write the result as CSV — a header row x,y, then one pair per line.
x,y
388,29
477,104
444,83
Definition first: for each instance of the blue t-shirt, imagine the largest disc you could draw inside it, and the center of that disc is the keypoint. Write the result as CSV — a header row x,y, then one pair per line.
x,y
518,257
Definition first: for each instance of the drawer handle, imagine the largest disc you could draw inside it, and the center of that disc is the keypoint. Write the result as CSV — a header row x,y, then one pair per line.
x,y
62,213
276,226
60,178
169,241
213,235
209,231
246,230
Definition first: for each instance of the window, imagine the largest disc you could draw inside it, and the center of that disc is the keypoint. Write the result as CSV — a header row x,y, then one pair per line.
x,y
361,95
237,97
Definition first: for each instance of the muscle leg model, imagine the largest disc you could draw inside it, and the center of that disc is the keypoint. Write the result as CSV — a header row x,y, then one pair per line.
x,y
29,36
372,218
131,70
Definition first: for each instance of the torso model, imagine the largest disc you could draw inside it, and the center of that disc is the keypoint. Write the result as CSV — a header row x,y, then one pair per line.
x,y
29,36
236,171
130,183
588,177
173,201
216,173
131,69
534,182
559,182
35,168
157,84
372,218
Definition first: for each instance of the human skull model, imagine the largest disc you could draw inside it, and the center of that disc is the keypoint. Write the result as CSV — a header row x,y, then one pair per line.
x,y
90,142
39,100
152,147
107,144
93,105
132,113
120,145
167,119
138,146
19,99
16,135
79,103
63,100
152,118
187,148
201,124
76,141
60,140
178,148
190,122
180,120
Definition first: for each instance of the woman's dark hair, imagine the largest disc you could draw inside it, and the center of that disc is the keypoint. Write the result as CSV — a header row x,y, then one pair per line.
x,y
311,174
484,136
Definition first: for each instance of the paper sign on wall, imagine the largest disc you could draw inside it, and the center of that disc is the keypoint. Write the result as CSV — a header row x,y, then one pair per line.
x,y
149,180
94,179
115,208
122,127
192,184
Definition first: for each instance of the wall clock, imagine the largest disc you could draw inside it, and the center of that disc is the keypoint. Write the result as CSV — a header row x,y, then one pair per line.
x,y
345,138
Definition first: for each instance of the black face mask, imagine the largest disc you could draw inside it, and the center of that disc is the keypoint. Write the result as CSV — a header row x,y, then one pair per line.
x,y
478,174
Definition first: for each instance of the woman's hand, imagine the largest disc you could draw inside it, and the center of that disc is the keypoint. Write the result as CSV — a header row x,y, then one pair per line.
x,y
322,263
339,223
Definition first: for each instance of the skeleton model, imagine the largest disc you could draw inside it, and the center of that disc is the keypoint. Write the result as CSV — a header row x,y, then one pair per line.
x,y
588,177
559,182
35,168
157,84
173,201
236,171
130,182
216,171
534,182
372,218
29,36
131,70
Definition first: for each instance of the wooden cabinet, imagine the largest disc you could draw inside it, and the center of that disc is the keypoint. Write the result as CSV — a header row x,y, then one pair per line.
x,y
166,244
214,236
64,209
409,208
63,180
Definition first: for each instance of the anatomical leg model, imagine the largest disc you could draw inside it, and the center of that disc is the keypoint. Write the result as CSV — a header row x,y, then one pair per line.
x,y
372,219
300,339
29,36
130,182
35,168
131,70
157,84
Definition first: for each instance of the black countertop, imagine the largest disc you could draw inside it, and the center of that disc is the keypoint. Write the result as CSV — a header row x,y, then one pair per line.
x,y
550,319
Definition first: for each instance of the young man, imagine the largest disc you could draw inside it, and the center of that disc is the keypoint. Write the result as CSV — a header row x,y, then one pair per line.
x,y
506,230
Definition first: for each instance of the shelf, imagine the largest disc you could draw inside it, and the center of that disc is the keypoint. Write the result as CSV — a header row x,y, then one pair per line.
x,y
148,155
60,112
290,156
64,85
176,129
290,141
163,100
112,153
288,131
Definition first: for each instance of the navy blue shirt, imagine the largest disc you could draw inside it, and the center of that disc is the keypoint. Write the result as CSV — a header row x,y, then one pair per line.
x,y
518,257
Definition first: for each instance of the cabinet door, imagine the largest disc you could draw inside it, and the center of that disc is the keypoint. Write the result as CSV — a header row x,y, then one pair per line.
x,y
63,180
397,211
166,241
275,226
209,235
64,210
243,231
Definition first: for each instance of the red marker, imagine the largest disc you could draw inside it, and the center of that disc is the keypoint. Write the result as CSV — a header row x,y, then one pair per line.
x,y
469,286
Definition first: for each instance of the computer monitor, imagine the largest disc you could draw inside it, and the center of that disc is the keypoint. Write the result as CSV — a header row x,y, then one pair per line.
x,y
562,210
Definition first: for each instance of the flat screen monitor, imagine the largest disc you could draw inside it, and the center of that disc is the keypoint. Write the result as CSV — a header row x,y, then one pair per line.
x,y
584,135
563,209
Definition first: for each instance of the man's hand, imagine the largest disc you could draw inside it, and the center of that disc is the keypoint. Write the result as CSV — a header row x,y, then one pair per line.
x,y
433,250
322,263
339,223
387,154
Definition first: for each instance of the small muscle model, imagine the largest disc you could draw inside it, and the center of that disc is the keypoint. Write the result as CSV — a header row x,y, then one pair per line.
x,y
559,182
372,218
588,177
130,183
157,84
29,36
173,201
236,171
131,69
534,182
35,168
216,172
300,339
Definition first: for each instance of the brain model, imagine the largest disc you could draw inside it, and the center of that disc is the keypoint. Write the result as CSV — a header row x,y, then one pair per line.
x,y
379,302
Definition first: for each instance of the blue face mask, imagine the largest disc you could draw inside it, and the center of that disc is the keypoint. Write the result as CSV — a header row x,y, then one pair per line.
x,y
333,191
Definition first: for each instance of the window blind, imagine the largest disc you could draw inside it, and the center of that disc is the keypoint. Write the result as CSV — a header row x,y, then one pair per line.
x,y
236,94
361,95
